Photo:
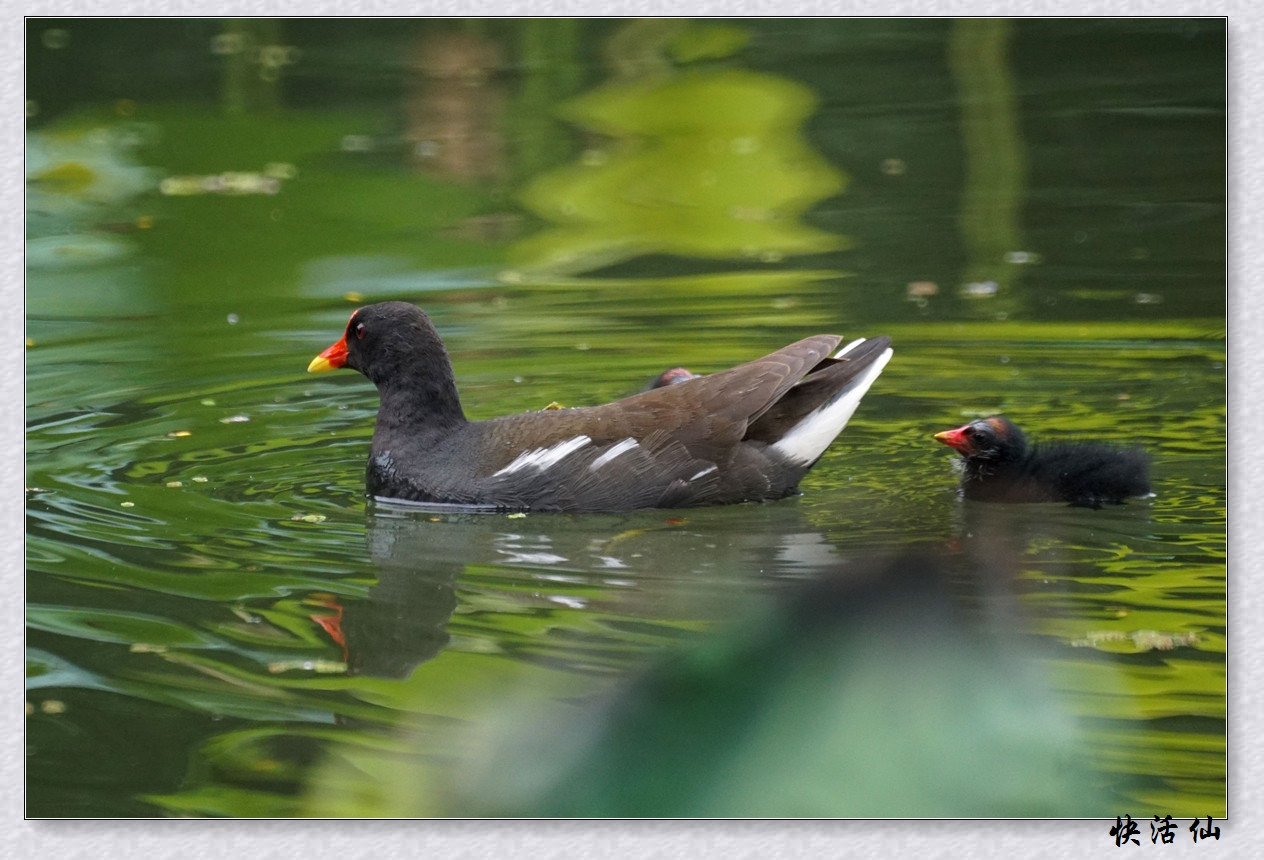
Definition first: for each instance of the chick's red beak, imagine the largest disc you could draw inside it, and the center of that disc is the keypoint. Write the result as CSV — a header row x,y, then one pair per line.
x,y
955,439
334,357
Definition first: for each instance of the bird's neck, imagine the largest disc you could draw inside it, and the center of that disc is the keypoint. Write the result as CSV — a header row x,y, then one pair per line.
x,y
1007,463
420,402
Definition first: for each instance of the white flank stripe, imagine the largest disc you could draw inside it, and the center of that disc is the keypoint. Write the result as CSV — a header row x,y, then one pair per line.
x,y
707,471
808,439
543,458
615,450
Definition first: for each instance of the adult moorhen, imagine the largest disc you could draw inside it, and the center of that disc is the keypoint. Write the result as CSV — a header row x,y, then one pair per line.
x,y
744,434
1000,466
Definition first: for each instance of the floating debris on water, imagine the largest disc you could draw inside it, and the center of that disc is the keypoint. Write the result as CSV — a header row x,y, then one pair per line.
x,y
201,479
175,483
127,504
179,434
1142,640
235,419
517,516
1022,258
980,289
308,518
320,667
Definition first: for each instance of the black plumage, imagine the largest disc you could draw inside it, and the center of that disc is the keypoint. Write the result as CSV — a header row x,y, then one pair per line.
x,y
1001,466
743,434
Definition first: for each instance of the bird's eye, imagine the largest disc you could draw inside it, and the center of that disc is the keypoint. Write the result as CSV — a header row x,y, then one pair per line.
x,y
360,331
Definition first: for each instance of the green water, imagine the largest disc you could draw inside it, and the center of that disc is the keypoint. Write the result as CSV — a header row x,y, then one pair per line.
x,y
219,624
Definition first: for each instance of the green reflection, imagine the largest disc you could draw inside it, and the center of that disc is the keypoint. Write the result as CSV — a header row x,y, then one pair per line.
x,y
994,182
703,163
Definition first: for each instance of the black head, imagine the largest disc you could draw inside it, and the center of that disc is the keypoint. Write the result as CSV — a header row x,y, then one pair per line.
x,y
387,342
995,438
396,346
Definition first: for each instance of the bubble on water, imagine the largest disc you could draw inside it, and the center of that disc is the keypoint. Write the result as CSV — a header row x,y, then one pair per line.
x,y
233,319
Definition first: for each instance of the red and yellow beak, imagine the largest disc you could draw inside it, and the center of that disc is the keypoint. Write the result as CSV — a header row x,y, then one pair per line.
x,y
330,359
955,439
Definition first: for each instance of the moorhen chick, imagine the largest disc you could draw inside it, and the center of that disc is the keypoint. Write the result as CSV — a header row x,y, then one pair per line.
x,y
1000,466
749,433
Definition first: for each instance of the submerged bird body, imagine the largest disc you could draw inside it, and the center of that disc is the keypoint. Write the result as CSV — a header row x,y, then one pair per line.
x,y
1000,466
743,434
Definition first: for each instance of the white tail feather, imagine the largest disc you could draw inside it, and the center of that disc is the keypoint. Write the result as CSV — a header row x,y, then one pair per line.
x,y
849,347
808,439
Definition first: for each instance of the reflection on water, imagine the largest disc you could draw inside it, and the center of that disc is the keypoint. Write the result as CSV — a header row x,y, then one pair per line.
x,y
728,176
216,623
902,688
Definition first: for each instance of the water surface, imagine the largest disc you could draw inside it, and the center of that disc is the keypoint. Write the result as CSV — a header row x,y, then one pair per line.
x,y
218,622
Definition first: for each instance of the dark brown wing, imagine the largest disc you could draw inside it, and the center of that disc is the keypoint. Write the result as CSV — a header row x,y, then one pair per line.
x,y
708,414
